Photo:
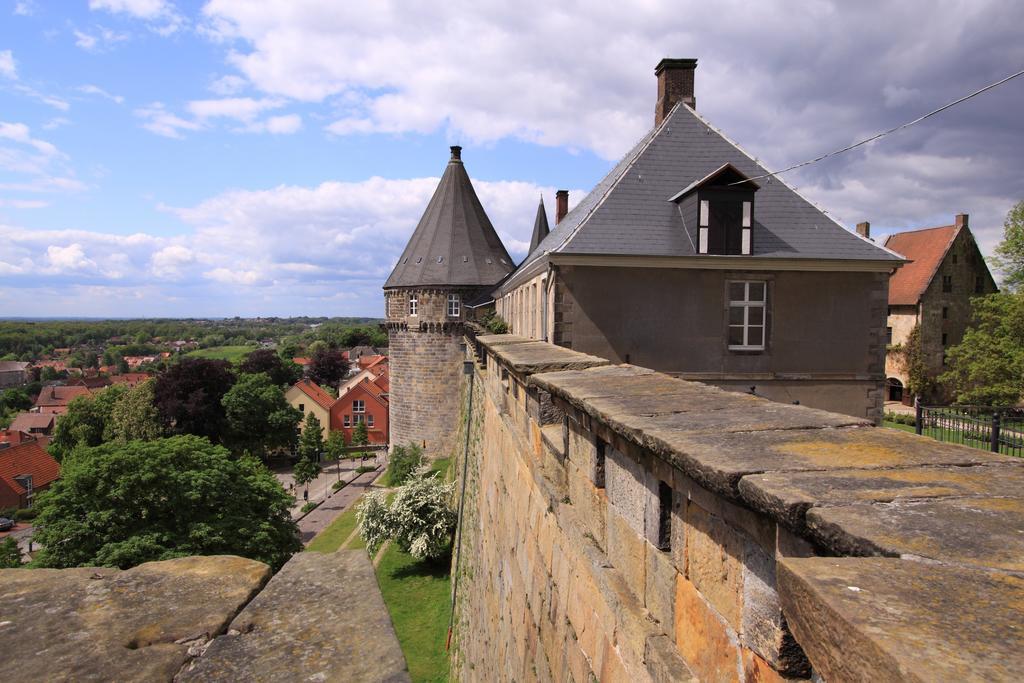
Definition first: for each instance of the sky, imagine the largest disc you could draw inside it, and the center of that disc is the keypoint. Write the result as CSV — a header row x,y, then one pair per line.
x,y
229,157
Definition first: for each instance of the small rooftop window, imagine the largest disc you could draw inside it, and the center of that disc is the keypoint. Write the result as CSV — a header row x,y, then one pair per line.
x,y
440,259
721,206
419,260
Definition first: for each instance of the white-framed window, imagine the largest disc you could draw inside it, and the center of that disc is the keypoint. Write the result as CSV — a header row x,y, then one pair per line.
x,y
346,421
358,418
747,299
454,305
358,406
414,304
702,229
369,420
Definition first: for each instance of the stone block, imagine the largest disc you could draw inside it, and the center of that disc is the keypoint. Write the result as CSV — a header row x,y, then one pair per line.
x,y
97,623
592,504
756,670
764,628
888,619
627,488
708,648
715,561
664,663
660,593
627,552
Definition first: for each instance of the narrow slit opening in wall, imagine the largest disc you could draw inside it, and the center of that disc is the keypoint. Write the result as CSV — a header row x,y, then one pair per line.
x,y
599,464
664,516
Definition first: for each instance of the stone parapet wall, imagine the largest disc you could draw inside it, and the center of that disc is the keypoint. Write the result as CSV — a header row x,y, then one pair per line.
x,y
625,525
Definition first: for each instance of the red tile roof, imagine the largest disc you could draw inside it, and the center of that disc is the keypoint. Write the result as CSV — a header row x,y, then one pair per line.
x,y
925,249
130,378
27,458
367,362
299,360
59,396
26,422
313,390
13,437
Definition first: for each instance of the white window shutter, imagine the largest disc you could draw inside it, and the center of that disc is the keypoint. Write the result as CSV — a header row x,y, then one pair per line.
x,y
745,242
703,246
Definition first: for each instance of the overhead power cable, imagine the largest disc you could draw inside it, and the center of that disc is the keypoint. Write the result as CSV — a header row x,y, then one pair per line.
x,y
876,136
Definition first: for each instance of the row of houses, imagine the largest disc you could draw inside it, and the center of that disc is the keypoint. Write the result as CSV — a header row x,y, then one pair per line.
x,y
362,398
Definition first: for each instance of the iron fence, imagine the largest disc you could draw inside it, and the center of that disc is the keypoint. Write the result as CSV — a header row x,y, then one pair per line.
x,y
1000,430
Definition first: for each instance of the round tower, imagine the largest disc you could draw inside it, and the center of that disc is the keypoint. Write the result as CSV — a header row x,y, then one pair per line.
x,y
453,257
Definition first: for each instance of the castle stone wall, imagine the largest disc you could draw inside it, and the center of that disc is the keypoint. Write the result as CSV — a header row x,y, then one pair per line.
x,y
623,525
425,370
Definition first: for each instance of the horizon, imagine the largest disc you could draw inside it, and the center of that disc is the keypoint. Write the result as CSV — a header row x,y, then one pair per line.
x,y
215,159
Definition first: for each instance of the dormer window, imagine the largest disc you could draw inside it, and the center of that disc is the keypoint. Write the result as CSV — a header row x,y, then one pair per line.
x,y
722,205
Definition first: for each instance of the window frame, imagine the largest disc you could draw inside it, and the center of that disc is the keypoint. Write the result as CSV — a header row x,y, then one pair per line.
x,y
947,284
346,421
369,420
746,304
454,305
358,407
414,305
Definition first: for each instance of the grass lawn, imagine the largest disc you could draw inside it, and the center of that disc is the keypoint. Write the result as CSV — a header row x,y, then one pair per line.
x,y
229,353
331,538
441,466
953,437
416,594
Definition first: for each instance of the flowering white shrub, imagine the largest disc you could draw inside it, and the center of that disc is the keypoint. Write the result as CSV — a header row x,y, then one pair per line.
x,y
419,518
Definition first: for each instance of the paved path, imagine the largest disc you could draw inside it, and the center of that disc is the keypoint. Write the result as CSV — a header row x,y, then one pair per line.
x,y
338,502
320,488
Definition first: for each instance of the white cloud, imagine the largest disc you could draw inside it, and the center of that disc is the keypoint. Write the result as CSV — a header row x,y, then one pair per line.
x,y
90,89
8,68
100,40
25,8
23,203
239,108
162,17
20,133
51,100
293,248
228,85
56,122
156,119
277,125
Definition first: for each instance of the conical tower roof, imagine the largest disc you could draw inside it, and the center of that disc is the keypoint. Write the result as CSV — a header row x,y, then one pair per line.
x,y
454,243
540,226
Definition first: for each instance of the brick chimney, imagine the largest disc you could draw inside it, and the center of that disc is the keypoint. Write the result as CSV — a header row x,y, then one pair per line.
x,y
561,205
456,153
962,220
675,83
864,230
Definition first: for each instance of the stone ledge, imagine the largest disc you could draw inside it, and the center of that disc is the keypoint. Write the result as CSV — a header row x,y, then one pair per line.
x,y
879,619
320,618
101,624
527,357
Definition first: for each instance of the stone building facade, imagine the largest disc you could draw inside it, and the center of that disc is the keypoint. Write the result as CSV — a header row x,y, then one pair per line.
x,y
933,293
453,258
689,258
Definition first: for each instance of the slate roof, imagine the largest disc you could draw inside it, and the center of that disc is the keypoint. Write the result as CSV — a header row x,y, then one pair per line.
x,y
27,458
454,243
925,249
540,226
629,212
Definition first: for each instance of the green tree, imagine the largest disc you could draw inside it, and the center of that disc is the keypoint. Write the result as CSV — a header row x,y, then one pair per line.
x,y
360,437
305,471
311,441
87,421
188,396
119,505
134,417
335,445
404,461
279,370
987,367
1009,254
10,554
259,418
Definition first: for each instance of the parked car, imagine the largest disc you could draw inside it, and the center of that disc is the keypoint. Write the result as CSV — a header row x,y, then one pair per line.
x,y
6,524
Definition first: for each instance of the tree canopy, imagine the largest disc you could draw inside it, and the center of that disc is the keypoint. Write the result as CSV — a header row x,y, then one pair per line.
x,y
134,417
327,367
1009,254
259,418
87,421
188,397
987,367
280,371
119,505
